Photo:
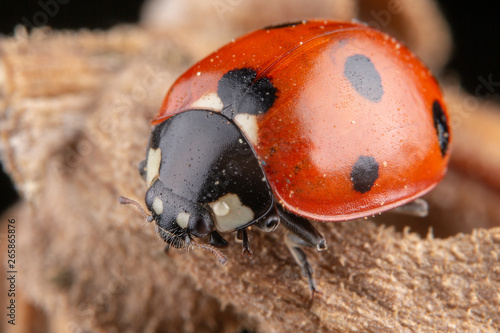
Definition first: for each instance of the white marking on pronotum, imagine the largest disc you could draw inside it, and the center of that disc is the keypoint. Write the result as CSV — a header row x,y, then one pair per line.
x,y
221,208
157,206
237,214
153,165
248,125
182,219
209,101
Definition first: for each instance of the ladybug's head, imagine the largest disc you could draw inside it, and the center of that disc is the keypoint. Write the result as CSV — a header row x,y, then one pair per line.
x,y
177,219
203,177
168,230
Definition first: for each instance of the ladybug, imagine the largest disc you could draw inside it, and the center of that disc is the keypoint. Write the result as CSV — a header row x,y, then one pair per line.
x,y
312,120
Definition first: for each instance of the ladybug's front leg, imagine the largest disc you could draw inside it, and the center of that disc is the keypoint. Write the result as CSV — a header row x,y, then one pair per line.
x,y
242,236
302,233
217,240
268,223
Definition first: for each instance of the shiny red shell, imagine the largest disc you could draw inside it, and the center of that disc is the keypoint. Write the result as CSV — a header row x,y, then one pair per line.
x,y
320,124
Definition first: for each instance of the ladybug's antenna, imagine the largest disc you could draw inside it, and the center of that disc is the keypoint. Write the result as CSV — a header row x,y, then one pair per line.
x,y
127,201
222,258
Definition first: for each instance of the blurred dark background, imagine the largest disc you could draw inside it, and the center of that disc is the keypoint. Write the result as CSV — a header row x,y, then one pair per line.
x,y
475,27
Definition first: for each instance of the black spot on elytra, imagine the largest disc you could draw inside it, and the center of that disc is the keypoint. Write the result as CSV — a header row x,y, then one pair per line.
x,y
364,77
284,25
441,125
364,173
241,93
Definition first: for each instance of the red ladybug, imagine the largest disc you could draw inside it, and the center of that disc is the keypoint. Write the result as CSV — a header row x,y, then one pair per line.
x,y
321,120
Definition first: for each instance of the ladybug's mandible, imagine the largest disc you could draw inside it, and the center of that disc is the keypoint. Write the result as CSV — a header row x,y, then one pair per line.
x,y
314,120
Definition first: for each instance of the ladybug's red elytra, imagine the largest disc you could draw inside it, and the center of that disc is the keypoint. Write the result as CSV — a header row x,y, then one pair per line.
x,y
314,120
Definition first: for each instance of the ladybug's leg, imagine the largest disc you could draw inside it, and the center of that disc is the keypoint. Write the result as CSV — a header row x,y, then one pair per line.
x,y
242,236
217,240
294,243
268,223
301,227
302,233
417,207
